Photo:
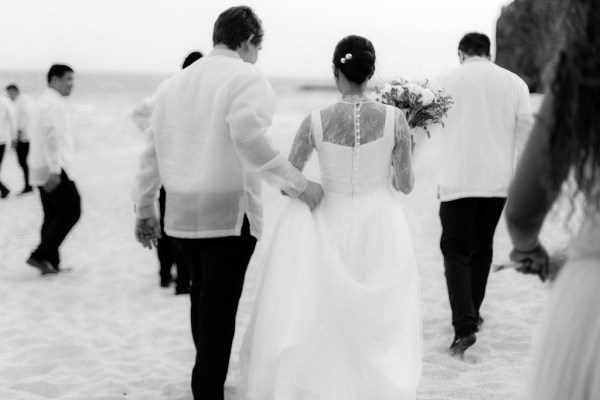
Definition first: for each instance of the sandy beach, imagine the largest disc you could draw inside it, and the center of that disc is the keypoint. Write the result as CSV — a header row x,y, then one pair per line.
x,y
106,330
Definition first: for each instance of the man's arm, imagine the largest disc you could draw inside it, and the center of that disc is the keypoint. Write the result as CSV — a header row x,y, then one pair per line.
x,y
53,123
249,117
147,183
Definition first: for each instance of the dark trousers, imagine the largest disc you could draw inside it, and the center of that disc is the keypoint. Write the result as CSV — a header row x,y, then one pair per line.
x,y
218,267
167,254
62,209
468,227
3,189
22,152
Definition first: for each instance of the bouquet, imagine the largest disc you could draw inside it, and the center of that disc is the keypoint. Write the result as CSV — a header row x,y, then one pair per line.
x,y
422,105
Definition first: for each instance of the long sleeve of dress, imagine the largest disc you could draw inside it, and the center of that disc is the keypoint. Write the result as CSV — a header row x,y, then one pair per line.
x,y
402,172
303,145
249,117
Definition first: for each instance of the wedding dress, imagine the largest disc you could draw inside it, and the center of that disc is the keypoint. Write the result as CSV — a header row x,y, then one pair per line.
x,y
337,315
567,356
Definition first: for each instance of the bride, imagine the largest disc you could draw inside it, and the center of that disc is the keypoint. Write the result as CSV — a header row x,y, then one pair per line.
x,y
338,310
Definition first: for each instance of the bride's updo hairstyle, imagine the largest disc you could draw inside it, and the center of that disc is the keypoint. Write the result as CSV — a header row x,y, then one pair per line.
x,y
354,56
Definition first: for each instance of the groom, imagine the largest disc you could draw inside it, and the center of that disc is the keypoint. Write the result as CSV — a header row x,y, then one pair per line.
x,y
207,146
489,122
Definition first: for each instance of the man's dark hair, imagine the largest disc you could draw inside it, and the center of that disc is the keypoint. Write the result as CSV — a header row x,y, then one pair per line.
x,y
235,25
191,58
12,86
58,70
475,44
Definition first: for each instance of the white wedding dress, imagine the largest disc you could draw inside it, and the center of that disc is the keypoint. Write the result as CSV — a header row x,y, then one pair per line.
x,y
337,315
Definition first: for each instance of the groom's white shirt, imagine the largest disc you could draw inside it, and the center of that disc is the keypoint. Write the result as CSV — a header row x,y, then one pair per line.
x,y
207,145
485,130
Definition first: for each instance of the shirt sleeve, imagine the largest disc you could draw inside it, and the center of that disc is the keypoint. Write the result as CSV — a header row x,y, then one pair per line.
x,y
523,118
249,116
148,180
303,145
402,173
54,123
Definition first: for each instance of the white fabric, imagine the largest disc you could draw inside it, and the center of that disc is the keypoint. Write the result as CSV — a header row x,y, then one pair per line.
x,y
51,142
23,109
141,115
365,118
567,351
338,309
207,146
8,121
486,127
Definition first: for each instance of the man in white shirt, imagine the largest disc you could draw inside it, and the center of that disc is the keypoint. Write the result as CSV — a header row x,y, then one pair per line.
x,y
8,131
51,168
23,107
488,124
207,146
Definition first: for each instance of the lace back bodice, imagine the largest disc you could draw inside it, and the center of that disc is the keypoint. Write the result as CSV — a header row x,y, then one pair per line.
x,y
359,167
361,146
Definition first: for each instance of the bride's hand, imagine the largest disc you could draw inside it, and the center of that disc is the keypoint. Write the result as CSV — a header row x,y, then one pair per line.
x,y
312,195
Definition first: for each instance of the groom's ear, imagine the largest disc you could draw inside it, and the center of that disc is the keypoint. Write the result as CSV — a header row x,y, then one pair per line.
x,y
246,43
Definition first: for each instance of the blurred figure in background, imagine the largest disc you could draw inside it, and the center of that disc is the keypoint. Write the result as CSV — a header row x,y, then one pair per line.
x,y
52,169
167,256
565,146
23,107
8,132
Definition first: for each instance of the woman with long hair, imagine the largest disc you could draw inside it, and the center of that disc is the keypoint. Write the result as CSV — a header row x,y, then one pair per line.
x,y
565,147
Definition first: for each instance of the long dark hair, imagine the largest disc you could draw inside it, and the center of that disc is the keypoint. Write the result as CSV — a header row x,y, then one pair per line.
x,y
574,144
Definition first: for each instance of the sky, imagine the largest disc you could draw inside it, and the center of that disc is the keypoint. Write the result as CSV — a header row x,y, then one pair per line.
x,y
412,38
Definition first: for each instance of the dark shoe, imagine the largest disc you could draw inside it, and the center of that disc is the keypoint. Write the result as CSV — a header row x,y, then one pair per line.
x,y
165,281
44,266
27,189
460,344
4,194
183,289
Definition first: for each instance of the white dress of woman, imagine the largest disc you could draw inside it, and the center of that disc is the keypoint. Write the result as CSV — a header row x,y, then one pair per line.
x,y
337,316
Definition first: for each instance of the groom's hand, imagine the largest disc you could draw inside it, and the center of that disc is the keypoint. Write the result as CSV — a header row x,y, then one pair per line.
x,y
147,231
312,195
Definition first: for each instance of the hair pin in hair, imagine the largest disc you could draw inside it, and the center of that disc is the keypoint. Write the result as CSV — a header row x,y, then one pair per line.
x,y
348,57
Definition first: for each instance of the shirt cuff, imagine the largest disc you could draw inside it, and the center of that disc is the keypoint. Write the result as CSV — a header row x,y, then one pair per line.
x,y
146,211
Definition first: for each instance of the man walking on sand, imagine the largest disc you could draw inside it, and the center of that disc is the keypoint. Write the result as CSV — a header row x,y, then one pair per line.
x,y
207,146
488,124
23,106
51,169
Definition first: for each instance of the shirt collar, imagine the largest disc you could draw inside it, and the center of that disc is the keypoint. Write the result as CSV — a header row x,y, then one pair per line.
x,y
224,52
54,92
476,59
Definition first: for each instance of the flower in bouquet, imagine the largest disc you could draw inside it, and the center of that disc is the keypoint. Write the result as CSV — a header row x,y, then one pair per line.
x,y
422,104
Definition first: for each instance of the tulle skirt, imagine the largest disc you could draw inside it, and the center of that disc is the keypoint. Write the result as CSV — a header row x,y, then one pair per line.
x,y
337,316
567,357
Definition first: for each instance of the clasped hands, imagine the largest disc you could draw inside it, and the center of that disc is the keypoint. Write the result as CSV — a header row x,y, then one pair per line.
x,y
534,261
